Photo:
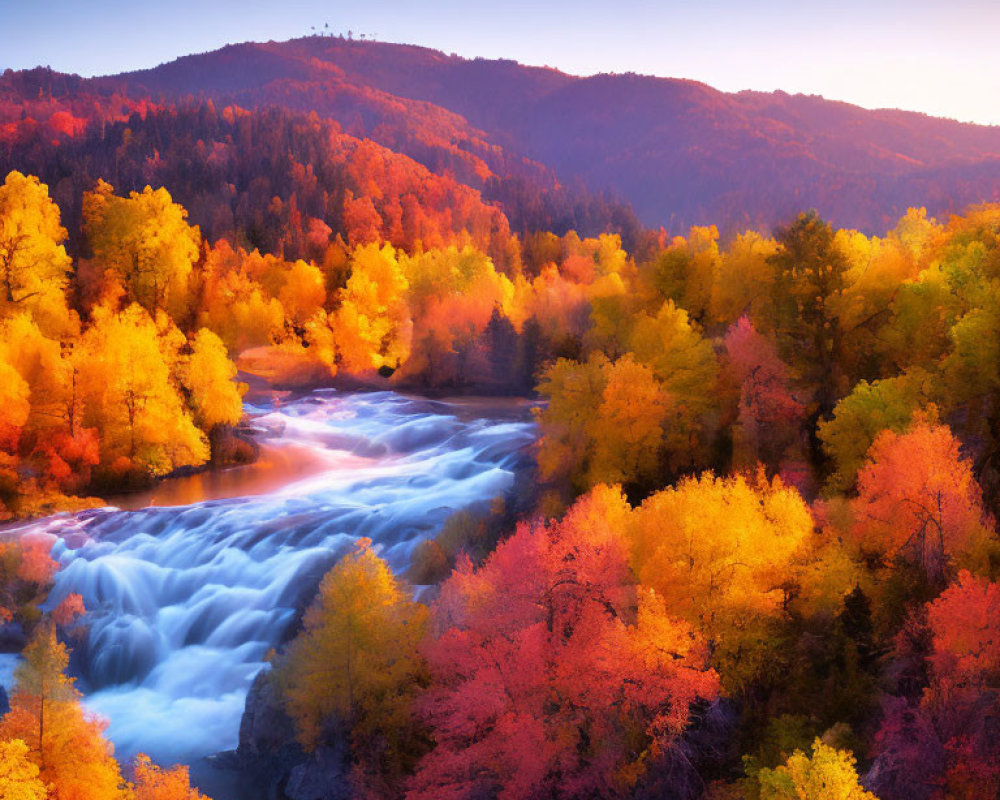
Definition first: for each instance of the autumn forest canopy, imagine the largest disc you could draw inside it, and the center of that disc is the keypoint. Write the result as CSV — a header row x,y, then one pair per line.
x,y
754,553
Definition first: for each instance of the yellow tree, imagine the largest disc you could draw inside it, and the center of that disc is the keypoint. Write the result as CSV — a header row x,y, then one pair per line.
x,y
828,774
15,407
131,398
209,377
304,292
41,680
686,366
916,232
65,743
40,362
877,268
356,661
573,392
15,404
146,241
33,262
722,552
372,326
18,774
685,271
628,426
239,311
233,303
452,295
743,281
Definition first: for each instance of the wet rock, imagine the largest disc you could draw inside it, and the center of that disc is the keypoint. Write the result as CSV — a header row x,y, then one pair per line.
x,y
267,734
4,702
269,755
324,776
233,445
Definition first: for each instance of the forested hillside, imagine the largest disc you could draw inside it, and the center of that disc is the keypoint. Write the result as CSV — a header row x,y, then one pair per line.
x,y
679,151
546,145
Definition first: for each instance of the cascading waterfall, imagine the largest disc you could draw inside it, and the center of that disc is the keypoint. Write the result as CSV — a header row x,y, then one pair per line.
x,y
184,602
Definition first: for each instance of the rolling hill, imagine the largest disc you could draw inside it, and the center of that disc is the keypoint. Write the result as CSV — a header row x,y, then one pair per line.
x,y
680,152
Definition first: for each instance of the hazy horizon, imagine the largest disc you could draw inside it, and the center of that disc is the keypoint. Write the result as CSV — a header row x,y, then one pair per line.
x,y
901,55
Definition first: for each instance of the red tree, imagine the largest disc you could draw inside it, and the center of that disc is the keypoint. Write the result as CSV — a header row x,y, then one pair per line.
x,y
553,675
918,498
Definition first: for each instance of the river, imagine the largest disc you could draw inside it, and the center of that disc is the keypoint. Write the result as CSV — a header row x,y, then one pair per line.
x,y
187,594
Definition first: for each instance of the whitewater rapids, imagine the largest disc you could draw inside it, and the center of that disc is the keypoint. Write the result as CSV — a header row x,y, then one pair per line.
x,y
184,602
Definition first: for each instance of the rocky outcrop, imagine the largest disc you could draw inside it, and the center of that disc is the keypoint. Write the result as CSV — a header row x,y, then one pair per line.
x,y
233,445
323,776
266,731
269,755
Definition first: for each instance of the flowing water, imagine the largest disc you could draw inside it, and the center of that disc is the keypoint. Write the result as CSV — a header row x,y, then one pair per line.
x,y
186,596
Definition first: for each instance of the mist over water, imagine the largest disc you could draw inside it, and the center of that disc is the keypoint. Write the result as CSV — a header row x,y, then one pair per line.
x,y
185,601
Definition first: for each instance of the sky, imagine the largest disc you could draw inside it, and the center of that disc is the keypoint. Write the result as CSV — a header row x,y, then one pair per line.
x,y
941,57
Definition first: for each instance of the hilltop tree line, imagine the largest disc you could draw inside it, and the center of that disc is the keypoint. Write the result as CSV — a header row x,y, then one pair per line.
x,y
266,177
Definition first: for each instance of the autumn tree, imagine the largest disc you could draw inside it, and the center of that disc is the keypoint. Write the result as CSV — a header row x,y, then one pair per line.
x,y
356,663
34,265
65,743
685,365
146,242
826,774
233,303
40,362
18,774
965,625
150,782
744,280
769,416
685,271
131,397
941,743
573,391
722,554
53,443
965,666
452,295
604,422
918,499
553,675
917,232
372,327
209,376
26,572
628,427
877,268
303,293
922,312
15,407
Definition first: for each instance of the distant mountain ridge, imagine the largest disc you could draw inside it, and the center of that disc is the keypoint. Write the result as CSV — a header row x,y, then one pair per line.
x,y
679,151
